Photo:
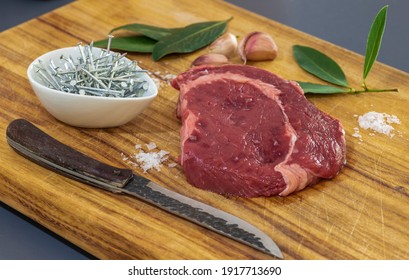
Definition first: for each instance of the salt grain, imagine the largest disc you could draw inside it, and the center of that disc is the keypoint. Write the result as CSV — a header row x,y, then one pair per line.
x,y
171,165
357,134
151,146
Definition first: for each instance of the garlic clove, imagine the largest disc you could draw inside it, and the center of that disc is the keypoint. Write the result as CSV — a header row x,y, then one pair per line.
x,y
225,44
257,46
211,59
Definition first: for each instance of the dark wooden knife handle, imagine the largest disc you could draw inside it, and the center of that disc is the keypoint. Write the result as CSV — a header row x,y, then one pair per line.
x,y
41,148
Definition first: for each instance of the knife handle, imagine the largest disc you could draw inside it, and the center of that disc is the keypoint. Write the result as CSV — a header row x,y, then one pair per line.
x,y
34,144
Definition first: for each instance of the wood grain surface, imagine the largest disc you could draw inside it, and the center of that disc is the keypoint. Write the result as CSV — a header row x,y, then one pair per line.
x,y
361,214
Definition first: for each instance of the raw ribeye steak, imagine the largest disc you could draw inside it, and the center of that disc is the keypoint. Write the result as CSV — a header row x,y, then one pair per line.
x,y
247,132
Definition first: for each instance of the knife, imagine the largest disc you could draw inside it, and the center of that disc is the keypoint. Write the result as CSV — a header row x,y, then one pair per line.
x,y
34,144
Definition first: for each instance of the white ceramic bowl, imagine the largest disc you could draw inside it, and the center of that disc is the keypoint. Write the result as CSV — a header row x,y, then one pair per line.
x,y
85,110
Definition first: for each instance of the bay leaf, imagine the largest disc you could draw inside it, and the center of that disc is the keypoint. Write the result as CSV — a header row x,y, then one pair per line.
x,y
189,38
374,40
138,43
153,32
321,89
320,65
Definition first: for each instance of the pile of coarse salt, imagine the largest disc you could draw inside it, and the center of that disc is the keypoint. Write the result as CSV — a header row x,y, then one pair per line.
x,y
377,122
148,160
160,79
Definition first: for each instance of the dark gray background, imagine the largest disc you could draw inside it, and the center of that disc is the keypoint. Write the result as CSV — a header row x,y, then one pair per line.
x,y
345,23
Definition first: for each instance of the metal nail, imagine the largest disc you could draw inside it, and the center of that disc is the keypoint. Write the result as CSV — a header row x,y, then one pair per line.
x,y
108,74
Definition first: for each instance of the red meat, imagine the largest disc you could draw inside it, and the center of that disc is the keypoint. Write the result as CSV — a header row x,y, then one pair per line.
x,y
247,132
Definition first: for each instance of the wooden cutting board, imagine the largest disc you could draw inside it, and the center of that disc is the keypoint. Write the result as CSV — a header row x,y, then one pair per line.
x,y
361,214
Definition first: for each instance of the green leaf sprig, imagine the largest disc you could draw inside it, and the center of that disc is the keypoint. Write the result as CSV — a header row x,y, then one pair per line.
x,y
326,69
163,41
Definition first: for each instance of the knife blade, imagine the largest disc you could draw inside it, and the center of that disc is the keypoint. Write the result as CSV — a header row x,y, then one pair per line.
x,y
34,144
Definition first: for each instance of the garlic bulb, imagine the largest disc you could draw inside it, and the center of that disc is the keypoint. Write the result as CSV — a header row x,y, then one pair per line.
x,y
211,59
225,44
257,46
